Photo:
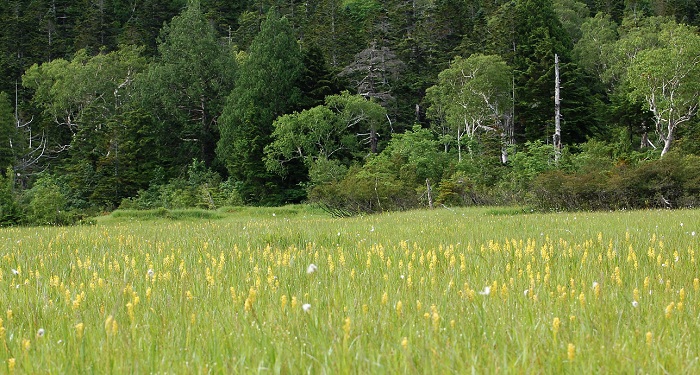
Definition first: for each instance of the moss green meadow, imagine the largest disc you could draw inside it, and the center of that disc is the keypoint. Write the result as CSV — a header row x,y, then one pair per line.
x,y
292,291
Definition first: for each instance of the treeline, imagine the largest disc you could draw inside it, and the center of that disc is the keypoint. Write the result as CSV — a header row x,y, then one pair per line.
x,y
356,105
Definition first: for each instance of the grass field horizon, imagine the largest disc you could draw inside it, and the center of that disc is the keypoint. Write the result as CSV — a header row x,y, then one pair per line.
x,y
291,290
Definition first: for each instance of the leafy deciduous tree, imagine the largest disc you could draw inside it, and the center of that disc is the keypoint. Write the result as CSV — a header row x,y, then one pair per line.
x,y
473,94
668,79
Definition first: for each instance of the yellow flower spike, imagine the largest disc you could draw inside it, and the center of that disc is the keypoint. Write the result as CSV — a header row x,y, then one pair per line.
x,y
283,301
26,345
571,352
696,284
11,365
9,314
596,290
419,305
681,294
556,323
111,326
189,295
130,311
346,329
385,298
294,303
669,309
649,338
635,294
404,343
399,308
79,330
365,308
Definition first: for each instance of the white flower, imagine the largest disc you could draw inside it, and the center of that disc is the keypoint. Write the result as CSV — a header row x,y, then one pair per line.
x,y
692,233
635,303
40,332
311,268
595,284
273,214
526,292
372,230
306,307
150,273
15,272
486,291
401,277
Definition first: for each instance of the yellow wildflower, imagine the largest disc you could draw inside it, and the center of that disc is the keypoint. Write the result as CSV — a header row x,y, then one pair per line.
x,y
571,352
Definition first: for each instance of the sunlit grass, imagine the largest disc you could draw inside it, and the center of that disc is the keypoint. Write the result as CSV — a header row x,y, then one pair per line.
x,y
443,291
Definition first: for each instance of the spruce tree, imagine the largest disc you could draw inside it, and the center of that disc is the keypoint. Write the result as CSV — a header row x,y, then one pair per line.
x,y
266,88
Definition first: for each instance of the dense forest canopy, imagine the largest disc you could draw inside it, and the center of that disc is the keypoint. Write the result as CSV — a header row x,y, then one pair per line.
x,y
358,105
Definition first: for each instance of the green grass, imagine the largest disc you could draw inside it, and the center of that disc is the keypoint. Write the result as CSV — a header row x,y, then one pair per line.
x,y
393,293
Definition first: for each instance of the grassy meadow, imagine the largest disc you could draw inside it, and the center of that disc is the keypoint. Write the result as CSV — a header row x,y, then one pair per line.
x,y
290,291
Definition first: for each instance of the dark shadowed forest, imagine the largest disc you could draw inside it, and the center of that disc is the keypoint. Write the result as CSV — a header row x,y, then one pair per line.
x,y
357,106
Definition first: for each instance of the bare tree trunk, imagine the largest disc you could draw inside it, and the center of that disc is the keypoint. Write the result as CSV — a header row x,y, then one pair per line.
x,y
556,139
430,196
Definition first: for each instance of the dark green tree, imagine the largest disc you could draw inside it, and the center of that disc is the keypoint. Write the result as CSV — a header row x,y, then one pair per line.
x,y
145,21
186,86
267,87
10,212
7,133
527,34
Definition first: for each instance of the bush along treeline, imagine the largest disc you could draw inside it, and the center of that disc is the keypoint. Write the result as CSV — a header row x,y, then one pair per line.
x,y
356,105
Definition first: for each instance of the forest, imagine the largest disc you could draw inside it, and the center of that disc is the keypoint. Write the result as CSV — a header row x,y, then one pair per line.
x,y
357,106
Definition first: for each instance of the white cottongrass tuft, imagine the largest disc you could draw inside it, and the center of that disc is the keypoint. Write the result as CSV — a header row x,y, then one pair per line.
x,y
40,332
151,273
306,307
311,268
486,291
635,303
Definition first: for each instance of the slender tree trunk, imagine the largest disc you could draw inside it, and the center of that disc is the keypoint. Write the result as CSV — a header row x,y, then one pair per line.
x,y
556,139
429,192
667,143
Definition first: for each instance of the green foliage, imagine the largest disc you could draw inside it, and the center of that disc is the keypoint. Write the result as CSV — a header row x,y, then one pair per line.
x,y
396,179
667,78
671,182
186,86
525,165
267,88
202,188
10,212
471,96
7,132
47,203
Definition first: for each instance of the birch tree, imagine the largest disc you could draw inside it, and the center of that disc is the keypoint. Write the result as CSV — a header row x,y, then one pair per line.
x,y
667,78
473,95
